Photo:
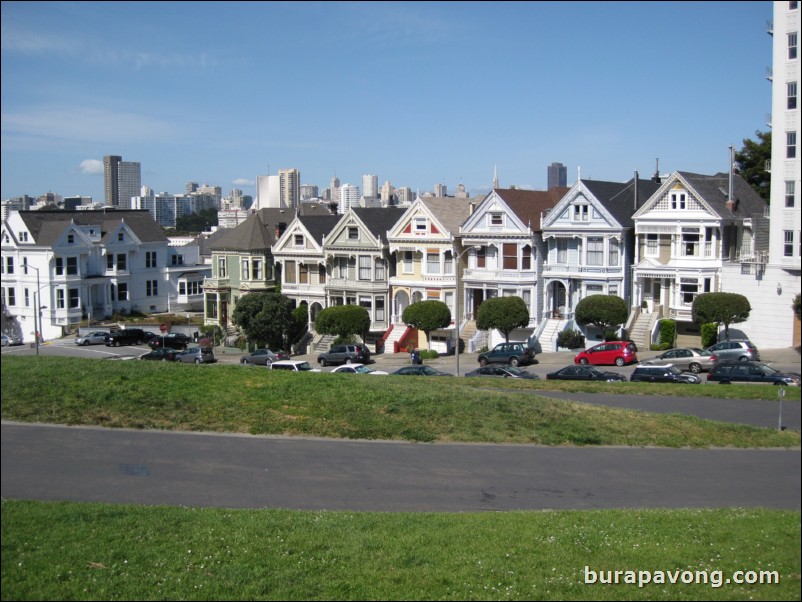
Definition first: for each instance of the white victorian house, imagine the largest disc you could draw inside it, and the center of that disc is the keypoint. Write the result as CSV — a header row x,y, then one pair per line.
x,y
685,233
76,265
589,242
299,252
504,255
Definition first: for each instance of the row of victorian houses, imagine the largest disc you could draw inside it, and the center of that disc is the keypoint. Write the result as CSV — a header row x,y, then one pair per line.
x,y
657,244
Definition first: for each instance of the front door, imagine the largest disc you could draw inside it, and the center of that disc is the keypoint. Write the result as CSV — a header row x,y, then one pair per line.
x,y
478,297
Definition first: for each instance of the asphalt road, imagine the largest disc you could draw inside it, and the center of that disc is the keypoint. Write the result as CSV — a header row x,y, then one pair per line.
x,y
240,471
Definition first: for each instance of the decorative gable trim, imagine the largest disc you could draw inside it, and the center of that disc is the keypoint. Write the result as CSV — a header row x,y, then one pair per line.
x,y
661,200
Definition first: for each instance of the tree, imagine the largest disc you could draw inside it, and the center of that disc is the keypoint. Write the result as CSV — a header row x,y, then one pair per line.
x,y
751,163
605,312
343,321
797,306
196,222
265,318
720,308
427,316
505,314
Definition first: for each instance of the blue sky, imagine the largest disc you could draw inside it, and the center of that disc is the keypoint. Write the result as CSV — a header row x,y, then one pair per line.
x,y
415,93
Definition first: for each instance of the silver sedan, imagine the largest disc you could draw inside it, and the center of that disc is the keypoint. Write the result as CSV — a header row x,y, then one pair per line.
x,y
686,358
93,338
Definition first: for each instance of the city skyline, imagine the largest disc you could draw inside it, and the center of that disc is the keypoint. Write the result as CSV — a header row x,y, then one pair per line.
x,y
419,94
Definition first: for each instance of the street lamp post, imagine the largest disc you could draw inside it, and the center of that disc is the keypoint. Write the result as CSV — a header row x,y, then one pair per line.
x,y
37,316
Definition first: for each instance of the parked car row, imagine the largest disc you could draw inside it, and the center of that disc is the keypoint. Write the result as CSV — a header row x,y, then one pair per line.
x,y
190,355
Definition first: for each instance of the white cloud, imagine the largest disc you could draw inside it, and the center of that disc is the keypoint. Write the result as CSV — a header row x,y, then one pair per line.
x,y
243,182
92,167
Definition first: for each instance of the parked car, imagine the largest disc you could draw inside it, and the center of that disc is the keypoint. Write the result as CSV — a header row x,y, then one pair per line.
x,y
173,340
292,366
357,369
163,355
263,357
663,374
619,353
93,338
742,349
582,372
738,371
419,371
196,355
11,340
514,354
503,372
127,336
688,358
344,354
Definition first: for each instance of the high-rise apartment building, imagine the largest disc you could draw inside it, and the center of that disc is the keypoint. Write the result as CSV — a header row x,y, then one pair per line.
x,y
785,211
289,187
370,186
349,197
309,191
557,176
122,181
111,183
387,195
404,195
440,190
771,283
130,182
335,190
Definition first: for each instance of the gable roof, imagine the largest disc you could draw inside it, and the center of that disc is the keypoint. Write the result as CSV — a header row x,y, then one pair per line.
x,y
378,219
318,226
256,233
622,199
713,190
46,226
530,205
451,212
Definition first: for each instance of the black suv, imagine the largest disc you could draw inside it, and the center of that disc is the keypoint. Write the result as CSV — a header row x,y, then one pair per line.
x,y
345,354
663,374
173,340
514,354
127,336
737,371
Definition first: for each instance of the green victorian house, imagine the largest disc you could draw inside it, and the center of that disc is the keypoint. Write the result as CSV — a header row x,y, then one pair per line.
x,y
242,263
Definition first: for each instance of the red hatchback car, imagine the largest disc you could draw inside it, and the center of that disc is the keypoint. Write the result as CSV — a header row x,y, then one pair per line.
x,y
619,353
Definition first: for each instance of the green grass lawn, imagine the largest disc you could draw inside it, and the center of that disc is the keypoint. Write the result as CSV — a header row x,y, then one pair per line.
x,y
233,398
70,551
82,551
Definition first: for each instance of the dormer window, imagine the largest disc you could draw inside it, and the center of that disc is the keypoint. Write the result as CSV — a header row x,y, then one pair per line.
x,y
70,239
299,240
420,225
120,236
496,219
353,233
